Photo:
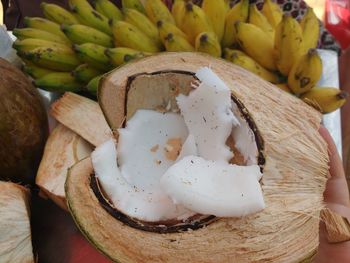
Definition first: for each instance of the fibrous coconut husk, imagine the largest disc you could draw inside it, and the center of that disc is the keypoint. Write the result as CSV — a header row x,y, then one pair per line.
x,y
15,237
63,149
294,179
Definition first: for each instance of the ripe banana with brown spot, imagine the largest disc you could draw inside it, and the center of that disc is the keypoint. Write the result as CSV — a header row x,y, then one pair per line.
x,y
272,12
311,30
178,11
120,55
216,11
84,73
128,35
239,12
195,21
176,43
34,71
256,43
325,99
94,55
207,42
134,4
156,10
258,19
58,81
165,28
239,58
80,34
58,14
288,40
28,44
305,73
23,33
108,9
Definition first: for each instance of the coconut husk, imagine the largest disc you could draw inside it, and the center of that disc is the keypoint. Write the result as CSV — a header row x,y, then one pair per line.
x,y
63,149
293,182
83,116
15,238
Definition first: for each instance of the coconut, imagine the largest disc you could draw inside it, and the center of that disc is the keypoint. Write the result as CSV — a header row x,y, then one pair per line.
x,y
23,125
15,238
290,152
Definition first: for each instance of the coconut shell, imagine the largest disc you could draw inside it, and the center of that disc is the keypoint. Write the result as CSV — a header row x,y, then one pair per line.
x,y
63,149
293,182
15,238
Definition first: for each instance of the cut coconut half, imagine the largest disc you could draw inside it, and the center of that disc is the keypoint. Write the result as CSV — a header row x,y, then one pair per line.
x,y
291,154
15,238
63,149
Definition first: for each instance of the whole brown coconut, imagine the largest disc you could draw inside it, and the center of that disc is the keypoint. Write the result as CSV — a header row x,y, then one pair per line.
x,y
23,125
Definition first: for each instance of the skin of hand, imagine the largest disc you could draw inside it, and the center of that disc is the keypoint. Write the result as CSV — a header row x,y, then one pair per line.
x,y
336,197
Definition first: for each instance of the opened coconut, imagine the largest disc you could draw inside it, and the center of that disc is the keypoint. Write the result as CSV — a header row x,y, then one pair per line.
x,y
208,165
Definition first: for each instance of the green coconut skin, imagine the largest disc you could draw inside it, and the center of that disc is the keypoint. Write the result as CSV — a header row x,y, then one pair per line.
x,y
23,126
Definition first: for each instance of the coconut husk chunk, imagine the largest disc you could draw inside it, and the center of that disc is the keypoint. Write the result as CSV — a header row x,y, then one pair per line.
x,y
82,116
15,237
337,227
63,149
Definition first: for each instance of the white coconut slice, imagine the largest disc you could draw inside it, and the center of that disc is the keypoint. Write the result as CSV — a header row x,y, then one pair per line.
x,y
208,116
188,148
214,188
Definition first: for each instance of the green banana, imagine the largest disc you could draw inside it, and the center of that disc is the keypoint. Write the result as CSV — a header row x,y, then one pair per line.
x,y
108,9
34,71
145,25
134,4
239,12
207,42
51,58
84,73
311,30
90,17
165,28
305,73
216,11
258,19
23,33
45,25
80,34
92,86
121,55
176,43
239,58
128,35
94,55
58,14
156,10
58,81
28,44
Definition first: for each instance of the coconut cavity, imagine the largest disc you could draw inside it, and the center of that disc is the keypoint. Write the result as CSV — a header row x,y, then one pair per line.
x,y
185,154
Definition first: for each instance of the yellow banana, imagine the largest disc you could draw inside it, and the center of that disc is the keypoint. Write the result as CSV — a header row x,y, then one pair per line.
x,y
89,16
311,30
207,42
239,12
156,10
80,34
178,11
134,4
145,25
84,73
256,43
51,58
305,73
58,81
272,12
216,11
258,19
94,55
325,99
23,33
45,25
120,55
92,86
239,58
34,71
127,35
58,14
288,39
28,44
108,9
195,21
176,43
165,28
284,86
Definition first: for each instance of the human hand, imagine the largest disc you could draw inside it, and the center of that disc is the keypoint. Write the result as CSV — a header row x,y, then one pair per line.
x,y
336,197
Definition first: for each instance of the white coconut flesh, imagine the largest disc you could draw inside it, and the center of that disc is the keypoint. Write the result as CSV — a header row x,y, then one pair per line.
x,y
172,166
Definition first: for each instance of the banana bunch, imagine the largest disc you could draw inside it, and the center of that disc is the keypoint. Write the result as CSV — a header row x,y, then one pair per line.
x,y
72,49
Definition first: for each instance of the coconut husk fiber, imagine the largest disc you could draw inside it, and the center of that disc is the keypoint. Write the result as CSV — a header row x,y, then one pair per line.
x,y
293,182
